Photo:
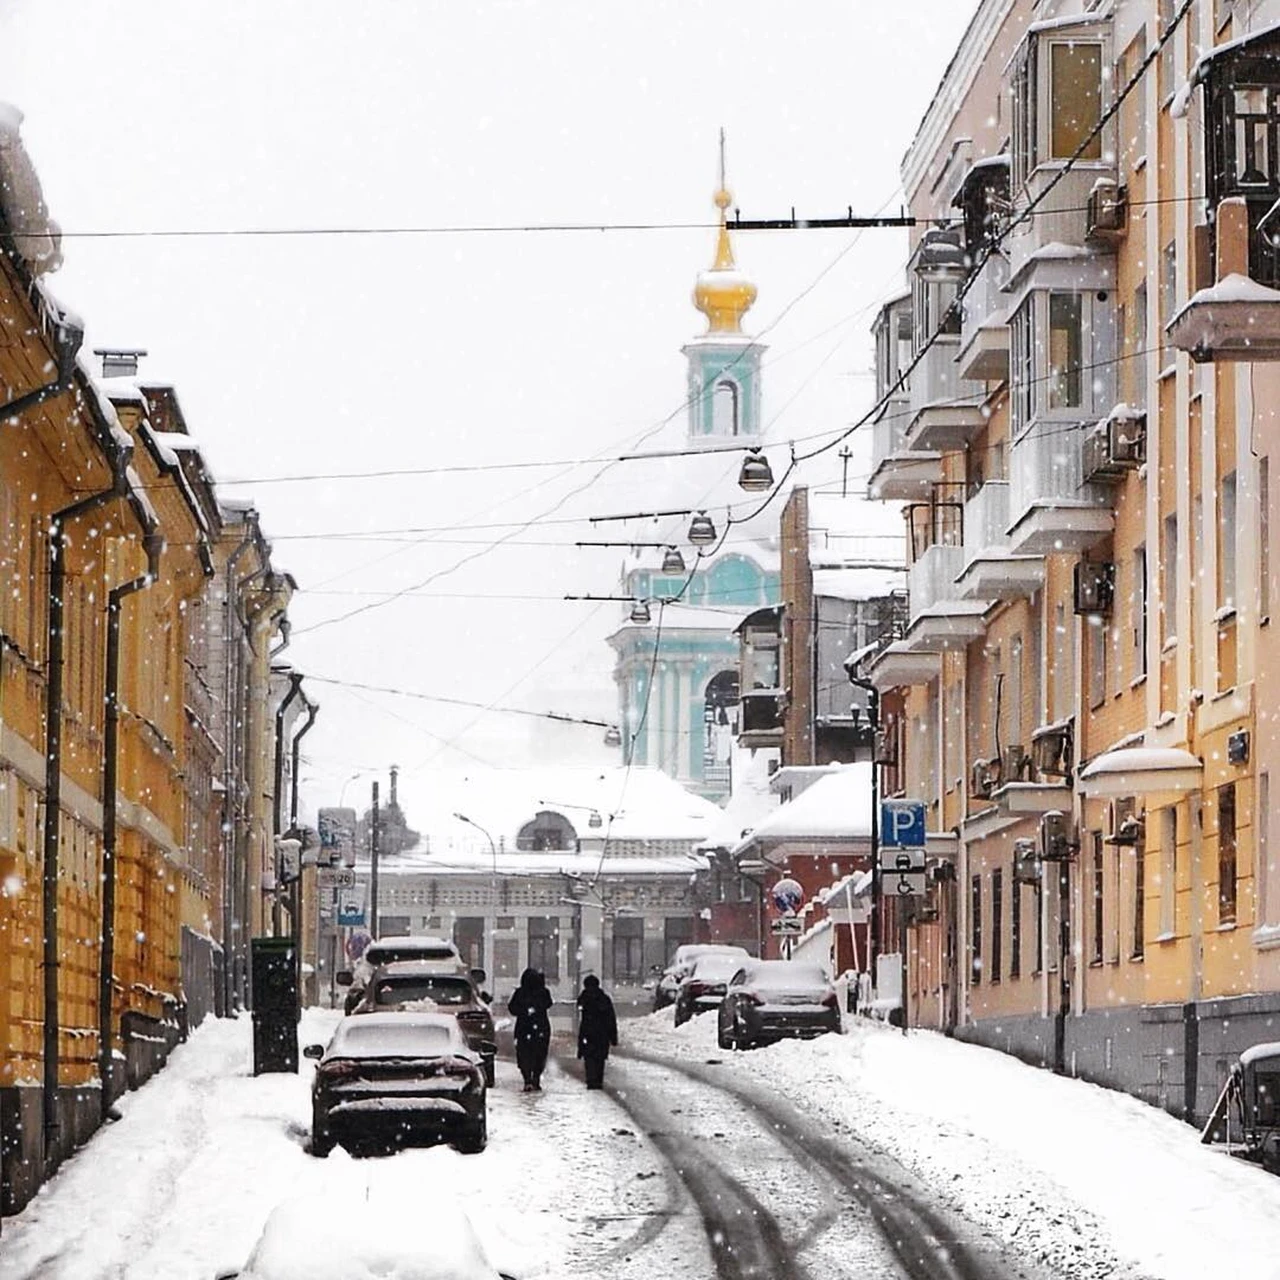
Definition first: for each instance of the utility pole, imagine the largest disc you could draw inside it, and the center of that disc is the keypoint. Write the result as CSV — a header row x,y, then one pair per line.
x,y
373,865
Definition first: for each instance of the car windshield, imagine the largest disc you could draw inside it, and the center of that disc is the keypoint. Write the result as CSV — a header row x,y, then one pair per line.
x,y
449,991
395,1037
380,955
715,968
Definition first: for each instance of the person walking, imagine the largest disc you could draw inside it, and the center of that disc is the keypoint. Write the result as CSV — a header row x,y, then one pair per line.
x,y
597,1030
529,1004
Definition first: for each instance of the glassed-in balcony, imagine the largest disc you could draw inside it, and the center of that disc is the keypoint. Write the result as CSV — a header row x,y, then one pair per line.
x,y
898,473
1051,507
938,617
1062,218
983,354
946,410
991,570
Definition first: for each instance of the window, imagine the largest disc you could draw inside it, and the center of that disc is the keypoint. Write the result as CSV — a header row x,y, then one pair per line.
x,y
1014,694
1064,663
1098,639
997,923
468,936
1139,601
1139,345
677,931
1169,581
1099,900
975,931
544,946
1168,872
1039,909
1139,899
1133,112
1022,369
628,950
1168,294
1075,100
1015,928
1268,877
724,408
1227,542
1227,854
1065,344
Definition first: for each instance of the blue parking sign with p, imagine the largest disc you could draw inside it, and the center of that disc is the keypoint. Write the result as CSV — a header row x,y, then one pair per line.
x,y
902,824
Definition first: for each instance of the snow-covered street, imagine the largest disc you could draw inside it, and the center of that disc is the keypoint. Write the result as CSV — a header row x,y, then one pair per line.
x,y
1038,1176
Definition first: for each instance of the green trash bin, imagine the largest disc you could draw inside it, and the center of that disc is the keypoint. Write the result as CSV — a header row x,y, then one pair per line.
x,y
276,1011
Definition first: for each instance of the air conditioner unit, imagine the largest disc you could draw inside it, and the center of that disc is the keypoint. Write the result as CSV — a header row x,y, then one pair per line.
x,y
1128,829
1027,867
1051,751
1095,587
984,779
1015,764
1114,446
886,746
1106,210
1056,844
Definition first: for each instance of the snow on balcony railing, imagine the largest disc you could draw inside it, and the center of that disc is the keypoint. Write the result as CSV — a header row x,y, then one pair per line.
x,y
985,303
932,578
888,432
934,380
1045,469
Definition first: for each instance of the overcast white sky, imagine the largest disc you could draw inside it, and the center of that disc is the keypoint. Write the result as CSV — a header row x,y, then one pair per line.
x,y
322,353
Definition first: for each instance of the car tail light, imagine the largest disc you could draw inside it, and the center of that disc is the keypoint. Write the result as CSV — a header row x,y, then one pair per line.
x,y
697,989
340,1069
473,1016
831,1000
753,997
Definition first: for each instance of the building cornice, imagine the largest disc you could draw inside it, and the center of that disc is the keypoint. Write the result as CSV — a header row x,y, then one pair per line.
x,y
956,82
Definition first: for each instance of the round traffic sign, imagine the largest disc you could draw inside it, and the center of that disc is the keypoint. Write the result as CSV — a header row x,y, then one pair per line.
x,y
787,895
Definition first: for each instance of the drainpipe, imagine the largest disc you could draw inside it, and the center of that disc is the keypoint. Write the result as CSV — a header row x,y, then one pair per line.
x,y
154,544
120,488
295,687
295,907
285,628
67,337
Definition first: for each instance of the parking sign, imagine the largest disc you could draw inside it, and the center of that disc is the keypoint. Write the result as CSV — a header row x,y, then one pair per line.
x,y
902,824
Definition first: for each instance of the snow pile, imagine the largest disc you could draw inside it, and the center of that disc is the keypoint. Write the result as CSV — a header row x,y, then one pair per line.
x,y
1089,1181
37,237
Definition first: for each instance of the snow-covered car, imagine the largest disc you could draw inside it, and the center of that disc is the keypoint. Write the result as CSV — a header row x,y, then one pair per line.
x,y
392,950
417,1238
704,986
770,1000
416,986
395,1079
668,986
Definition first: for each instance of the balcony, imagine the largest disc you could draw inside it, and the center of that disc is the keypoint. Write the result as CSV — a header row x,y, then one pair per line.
x,y
946,411
762,718
984,331
1051,508
991,569
1238,317
1062,218
899,667
938,618
899,474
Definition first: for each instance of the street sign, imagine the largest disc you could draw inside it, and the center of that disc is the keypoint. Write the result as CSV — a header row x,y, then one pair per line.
x,y
902,824
787,894
787,926
903,884
351,906
893,861
336,877
337,832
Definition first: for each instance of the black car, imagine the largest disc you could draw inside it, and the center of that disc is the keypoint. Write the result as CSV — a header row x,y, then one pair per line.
x,y
396,1079
704,986
417,986
770,1000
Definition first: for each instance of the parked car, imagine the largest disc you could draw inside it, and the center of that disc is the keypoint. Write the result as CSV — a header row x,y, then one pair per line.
x,y
1247,1115
391,950
770,1000
416,1238
704,986
425,987
668,986
390,1079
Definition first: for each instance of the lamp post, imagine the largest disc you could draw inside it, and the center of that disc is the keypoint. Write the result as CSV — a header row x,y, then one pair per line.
x,y
493,853
873,942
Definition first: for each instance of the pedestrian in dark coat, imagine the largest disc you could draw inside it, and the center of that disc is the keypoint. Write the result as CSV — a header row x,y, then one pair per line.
x,y
529,1003
597,1030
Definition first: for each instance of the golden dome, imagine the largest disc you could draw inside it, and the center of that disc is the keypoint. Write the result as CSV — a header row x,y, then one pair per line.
x,y
723,294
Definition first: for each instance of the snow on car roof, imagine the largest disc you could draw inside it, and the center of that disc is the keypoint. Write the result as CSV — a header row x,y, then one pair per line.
x,y
373,1034
715,965
415,1238
413,942
785,973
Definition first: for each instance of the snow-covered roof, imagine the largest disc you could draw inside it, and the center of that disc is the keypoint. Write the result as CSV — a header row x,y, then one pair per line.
x,y
1140,771
858,583
835,807
751,801
37,237
471,861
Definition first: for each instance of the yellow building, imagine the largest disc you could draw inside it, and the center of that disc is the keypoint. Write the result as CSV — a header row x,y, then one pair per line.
x,y
1079,444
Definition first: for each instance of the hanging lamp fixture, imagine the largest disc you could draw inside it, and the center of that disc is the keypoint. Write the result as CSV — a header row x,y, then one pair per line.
x,y
613,736
756,475
640,611
673,561
702,533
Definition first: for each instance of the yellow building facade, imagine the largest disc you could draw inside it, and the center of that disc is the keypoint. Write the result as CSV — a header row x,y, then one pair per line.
x,y
1075,410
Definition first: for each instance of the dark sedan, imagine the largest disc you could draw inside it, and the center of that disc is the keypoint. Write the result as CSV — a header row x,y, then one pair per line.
x,y
770,1000
415,986
394,1079
705,985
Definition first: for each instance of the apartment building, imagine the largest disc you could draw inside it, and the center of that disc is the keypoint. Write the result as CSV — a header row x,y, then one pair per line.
x,y
1075,392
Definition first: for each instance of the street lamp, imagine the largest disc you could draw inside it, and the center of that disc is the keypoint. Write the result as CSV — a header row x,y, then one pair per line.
x,y
493,853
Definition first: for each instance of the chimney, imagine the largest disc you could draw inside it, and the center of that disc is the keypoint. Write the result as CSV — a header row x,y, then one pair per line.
x,y
119,362
395,770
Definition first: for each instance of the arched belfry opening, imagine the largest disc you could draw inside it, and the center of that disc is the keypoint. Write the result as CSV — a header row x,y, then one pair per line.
x,y
548,833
